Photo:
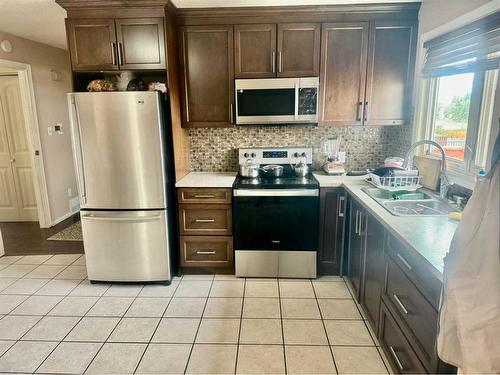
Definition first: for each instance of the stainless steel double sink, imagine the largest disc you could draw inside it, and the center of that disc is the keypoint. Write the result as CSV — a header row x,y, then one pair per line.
x,y
419,203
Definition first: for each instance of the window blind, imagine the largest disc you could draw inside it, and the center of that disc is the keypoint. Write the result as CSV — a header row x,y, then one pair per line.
x,y
473,47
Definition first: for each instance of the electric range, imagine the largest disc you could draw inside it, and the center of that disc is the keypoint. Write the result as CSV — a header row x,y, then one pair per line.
x,y
275,219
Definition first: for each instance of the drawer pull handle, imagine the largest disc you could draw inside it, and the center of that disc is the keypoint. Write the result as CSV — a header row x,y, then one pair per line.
x,y
401,306
205,220
275,241
396,358
404,261
199,252
204,196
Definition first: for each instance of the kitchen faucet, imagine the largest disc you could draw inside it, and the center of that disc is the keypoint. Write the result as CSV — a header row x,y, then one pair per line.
x,y
444,180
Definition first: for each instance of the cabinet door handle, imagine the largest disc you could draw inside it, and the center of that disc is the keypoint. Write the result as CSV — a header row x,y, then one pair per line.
x,y
200,252
396,358
404,261
231,120
280,66
360,224
204,196
205,220
359,111
357,221
120,54
273,61
275,241
341,205
365,112
113,53
401,306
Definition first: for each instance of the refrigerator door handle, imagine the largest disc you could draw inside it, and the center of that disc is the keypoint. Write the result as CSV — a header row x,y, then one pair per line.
x,y
99,217
78,147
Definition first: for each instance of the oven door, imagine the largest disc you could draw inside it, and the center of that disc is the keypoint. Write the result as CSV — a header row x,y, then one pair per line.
x,y
276,219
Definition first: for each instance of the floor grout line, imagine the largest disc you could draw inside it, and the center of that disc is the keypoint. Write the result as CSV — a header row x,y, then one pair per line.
x,y
282,327
239,330
326,332
199,324
154,331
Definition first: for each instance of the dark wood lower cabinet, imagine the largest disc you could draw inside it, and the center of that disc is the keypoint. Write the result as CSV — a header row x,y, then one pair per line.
x,y
356,246
396,347
205,230
373,279
397,293
332,212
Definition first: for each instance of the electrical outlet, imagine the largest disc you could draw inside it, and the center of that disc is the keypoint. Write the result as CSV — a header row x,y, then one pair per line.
x,y
70,193
341,156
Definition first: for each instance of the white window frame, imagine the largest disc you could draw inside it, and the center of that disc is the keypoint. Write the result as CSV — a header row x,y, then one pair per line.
x,y
479,130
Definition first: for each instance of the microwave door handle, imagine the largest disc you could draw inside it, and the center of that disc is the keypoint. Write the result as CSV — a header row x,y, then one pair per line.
x,y
296,114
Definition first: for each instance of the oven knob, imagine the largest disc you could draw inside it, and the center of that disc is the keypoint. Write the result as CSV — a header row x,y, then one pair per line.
x,y
296,154
304,154
253,154
246,154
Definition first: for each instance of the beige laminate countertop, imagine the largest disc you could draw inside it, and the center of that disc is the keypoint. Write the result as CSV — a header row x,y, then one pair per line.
x,y
207,180
428,236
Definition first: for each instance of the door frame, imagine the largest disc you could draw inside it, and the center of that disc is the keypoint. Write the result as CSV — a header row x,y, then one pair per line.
x,y
33,132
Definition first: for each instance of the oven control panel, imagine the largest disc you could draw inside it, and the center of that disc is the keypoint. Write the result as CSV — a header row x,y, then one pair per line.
x,y
275,155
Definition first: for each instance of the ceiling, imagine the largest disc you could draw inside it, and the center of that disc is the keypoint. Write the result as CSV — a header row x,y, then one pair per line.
x,y
43,20
38,20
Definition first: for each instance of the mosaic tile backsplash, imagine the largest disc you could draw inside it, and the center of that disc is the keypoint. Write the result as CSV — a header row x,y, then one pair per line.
x,y
215,150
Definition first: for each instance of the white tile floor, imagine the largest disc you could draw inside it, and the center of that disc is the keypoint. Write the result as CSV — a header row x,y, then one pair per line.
x,y
53,321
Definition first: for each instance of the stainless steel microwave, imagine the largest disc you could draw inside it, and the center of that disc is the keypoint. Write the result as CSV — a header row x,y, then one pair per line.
x,y
277,101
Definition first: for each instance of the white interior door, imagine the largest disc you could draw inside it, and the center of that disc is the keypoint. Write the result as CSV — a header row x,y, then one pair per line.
x,y
17,195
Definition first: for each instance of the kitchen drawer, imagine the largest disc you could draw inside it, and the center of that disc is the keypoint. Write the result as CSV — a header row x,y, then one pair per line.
x,y
397,349
204,251
199,219
417,270
420,318
204,195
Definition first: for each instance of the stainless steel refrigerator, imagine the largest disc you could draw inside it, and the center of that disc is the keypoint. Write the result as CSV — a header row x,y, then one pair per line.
x,y
122,151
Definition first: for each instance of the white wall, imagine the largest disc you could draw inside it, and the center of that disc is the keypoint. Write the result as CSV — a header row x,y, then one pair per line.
x,y
51,105
434,13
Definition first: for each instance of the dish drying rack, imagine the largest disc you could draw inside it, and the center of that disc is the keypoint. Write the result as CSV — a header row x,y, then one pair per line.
x,y
395,183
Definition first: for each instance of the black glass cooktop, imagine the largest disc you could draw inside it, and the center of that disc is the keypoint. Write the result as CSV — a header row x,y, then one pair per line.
x,y
285,182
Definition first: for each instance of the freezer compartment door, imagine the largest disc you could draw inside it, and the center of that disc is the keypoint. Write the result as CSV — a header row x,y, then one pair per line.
x,y
126,245
118,148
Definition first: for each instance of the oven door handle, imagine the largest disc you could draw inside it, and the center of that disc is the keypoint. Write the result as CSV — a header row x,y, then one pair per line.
x,y
276,192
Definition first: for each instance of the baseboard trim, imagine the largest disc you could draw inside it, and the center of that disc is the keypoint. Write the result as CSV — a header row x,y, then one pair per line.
x,y
64,217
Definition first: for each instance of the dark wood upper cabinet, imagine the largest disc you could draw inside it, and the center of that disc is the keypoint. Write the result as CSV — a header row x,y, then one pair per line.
x,y
373,279
92,44
207,75
141,43
390,72
114,44
298,50
255,51
344,52
331,230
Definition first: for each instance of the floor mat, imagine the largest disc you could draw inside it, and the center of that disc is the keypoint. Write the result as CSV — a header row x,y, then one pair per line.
x,y
71,233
